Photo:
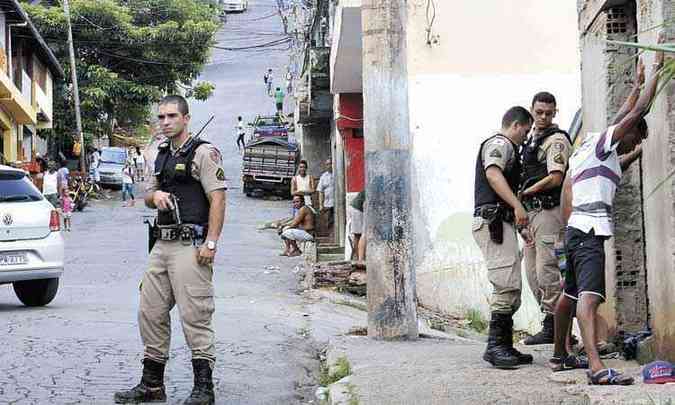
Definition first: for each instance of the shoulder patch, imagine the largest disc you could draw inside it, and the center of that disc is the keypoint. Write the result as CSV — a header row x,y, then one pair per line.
x,y
498,141
495,153
559,159
558,146
215,156
220,174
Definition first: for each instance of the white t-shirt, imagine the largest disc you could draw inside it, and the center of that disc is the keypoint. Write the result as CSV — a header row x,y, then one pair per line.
x,y
50,183
127,176
326,187
240,127
303,184
595,171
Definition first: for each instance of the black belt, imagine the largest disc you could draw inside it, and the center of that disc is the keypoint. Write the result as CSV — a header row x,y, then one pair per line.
x,y
185,232
490,212
538,203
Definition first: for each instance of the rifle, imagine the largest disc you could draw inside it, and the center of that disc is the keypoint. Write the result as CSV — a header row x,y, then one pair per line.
x,y
151,221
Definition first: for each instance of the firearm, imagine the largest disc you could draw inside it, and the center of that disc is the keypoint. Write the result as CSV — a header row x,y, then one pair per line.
x,y
151,221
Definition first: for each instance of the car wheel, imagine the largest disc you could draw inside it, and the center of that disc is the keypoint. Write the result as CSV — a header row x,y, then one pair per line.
x,y
36,293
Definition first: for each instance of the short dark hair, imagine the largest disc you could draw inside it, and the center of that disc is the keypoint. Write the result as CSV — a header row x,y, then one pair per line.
x,y
303,162
239,118
517,114
180,102
544,97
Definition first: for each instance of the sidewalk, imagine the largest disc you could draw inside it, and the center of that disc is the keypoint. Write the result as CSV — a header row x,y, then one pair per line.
x,y
451,371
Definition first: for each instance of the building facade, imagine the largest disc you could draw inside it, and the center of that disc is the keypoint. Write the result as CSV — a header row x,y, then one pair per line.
x,y
457,96
28,69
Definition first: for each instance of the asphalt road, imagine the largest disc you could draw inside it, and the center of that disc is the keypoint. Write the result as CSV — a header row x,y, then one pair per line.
x,y
85,345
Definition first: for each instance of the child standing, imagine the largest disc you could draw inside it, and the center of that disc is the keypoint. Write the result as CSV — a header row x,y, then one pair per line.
x,y
128,185
66,208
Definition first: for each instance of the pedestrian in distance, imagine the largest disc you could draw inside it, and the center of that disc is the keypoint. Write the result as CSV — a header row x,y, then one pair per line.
x,y
241,133
268,78
188,190
51,184
128,185
66,209
325,189
588,193
140,165
498,215
289,81
303,184
544,157
279,100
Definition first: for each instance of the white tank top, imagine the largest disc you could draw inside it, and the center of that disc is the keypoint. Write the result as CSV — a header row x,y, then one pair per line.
x,y
303,185
50,183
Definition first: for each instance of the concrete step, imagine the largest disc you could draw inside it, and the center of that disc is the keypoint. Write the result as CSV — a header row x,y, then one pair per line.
x,y
330,249
334,257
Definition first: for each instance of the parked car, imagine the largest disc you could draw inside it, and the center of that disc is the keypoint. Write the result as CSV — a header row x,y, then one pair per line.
x,y
111,165
31,244
235,6
264,126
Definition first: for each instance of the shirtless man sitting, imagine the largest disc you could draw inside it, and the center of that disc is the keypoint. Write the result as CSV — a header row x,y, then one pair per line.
x,y
299,229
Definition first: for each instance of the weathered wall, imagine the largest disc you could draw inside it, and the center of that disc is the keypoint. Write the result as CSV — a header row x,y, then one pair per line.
x,y
452,110
659,163
315,147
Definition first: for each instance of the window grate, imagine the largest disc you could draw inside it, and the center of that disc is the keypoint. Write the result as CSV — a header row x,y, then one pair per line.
x,y
617,21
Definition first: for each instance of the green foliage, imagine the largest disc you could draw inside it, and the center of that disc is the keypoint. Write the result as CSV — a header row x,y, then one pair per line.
x,y
342,370
476,320
128,54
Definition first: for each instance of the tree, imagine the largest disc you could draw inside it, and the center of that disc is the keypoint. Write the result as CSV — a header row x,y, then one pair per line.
x,y
128,54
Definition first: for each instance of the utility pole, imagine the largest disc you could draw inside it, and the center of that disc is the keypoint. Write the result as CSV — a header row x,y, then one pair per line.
x,y
76,91
392,313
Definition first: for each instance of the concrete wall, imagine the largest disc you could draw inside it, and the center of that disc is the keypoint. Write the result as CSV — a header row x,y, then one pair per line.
x,y
315,147
658,164
459,91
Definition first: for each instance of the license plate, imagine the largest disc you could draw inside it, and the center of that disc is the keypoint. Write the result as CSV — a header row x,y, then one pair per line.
x,y
13,259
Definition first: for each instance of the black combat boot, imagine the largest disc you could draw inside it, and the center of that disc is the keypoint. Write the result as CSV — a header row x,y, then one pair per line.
x,y
545,335
522,357
202,393
150,389
498,353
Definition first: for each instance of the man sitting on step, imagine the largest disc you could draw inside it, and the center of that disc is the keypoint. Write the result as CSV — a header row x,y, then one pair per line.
x,y
300,229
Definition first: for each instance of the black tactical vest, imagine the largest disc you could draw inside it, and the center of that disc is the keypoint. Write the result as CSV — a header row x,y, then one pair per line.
x,y
535,170
483,192
174,175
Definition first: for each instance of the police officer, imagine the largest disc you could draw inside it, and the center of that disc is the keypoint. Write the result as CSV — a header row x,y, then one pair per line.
x,y
189,173
498,214
544,157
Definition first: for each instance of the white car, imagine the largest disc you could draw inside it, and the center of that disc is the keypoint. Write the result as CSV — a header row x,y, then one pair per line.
x,y
235,6
31,244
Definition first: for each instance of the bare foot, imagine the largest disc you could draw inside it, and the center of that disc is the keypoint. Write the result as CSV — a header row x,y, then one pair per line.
x,y
283,254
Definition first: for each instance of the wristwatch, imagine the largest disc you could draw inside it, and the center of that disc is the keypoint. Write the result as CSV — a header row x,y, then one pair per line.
x,y
211,244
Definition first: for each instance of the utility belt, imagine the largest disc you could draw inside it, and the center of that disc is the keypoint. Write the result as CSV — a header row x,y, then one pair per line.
x,y
495,215
537,203
187,234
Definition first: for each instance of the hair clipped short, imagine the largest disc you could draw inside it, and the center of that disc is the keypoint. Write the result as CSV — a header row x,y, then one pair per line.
x,y
180,102
544,97
517,114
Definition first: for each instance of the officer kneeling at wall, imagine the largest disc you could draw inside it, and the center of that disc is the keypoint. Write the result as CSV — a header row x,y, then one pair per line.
x,y
497,215
188,189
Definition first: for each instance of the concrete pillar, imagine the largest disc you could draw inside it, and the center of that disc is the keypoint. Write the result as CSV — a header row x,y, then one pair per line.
x,y
391,275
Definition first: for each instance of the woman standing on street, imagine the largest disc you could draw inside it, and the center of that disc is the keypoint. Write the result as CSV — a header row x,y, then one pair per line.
x,y
128,185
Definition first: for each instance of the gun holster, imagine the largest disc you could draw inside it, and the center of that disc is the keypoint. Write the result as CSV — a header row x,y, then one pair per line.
x,y
494,215
152,233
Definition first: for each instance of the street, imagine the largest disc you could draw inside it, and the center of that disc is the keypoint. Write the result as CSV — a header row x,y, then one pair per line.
x,y
85,345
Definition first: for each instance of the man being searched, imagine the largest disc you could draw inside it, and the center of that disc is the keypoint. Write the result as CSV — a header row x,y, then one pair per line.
x,y
594,174
497,215
299,229
544,158
188,189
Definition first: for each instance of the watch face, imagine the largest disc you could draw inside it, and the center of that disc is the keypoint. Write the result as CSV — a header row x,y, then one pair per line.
x,y
211,244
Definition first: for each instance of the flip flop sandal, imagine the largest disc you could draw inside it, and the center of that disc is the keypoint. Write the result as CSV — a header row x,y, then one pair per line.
x,y
569,362
609,376
283,254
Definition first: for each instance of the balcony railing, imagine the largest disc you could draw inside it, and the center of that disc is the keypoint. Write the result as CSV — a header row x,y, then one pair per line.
x,y
14,102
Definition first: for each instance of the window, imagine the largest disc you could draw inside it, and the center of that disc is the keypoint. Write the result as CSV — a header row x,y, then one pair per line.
x,y
15,187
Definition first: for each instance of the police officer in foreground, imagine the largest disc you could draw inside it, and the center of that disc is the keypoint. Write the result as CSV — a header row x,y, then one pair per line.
x,y
188,189
498,214
544,157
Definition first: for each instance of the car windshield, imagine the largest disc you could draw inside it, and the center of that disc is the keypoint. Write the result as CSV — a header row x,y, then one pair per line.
x,y
15,187
268,122
113,156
